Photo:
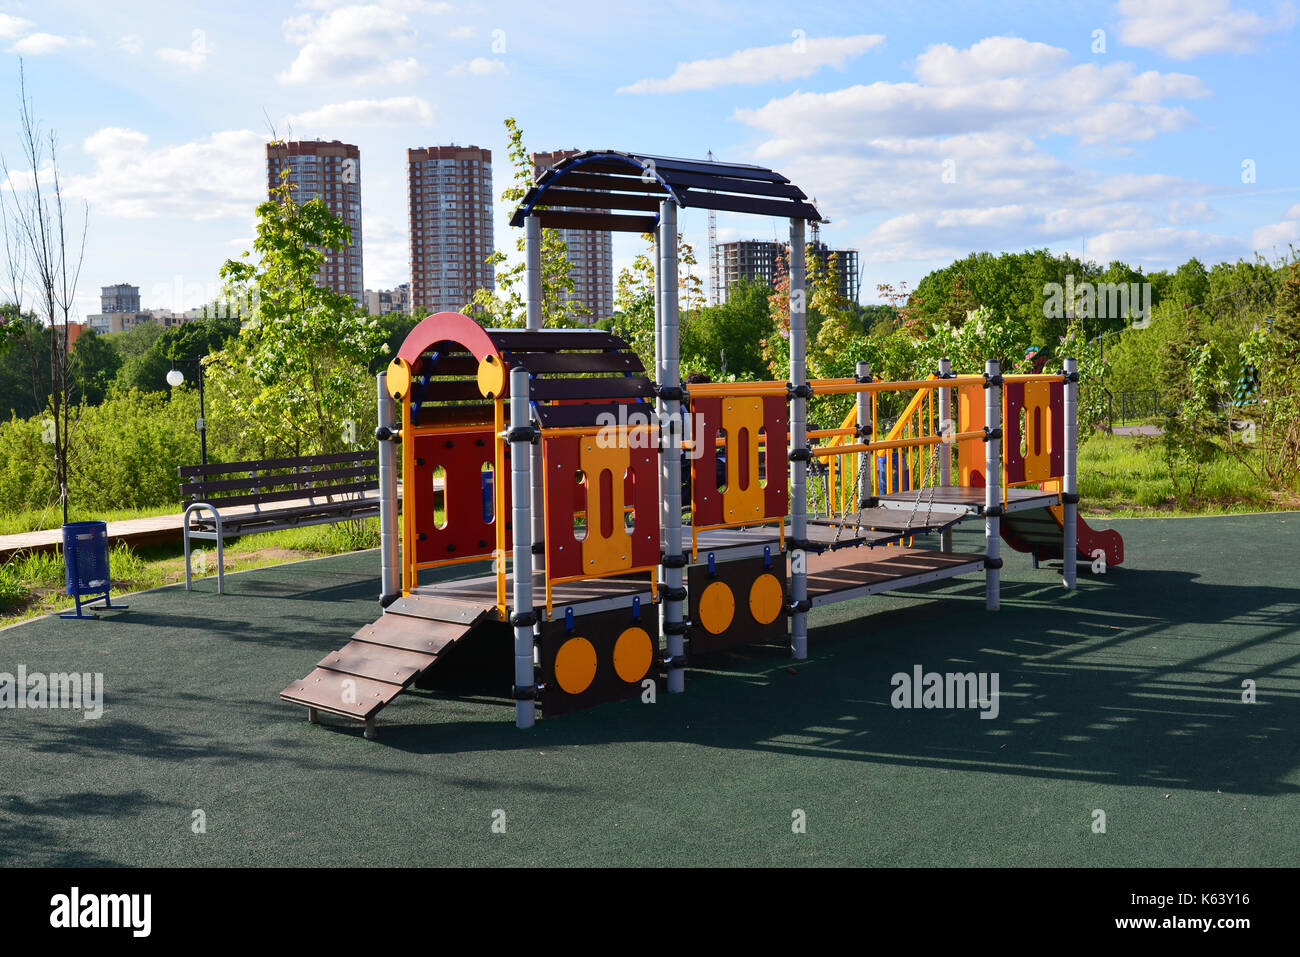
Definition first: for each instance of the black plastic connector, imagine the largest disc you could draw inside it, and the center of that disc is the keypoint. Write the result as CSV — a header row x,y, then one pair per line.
x,y
671,393
801,455
945,375
673,561
864,379
525,433
800,606
538,548
797,544
524,693
1070,376
674,661
1069,498
671,594
870,502
804,391
992,562
386,433
992,380
991,434
676,628
523,619
994,511
386,600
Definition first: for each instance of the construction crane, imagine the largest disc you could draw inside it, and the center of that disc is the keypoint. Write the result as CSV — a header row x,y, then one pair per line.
x,y
715,273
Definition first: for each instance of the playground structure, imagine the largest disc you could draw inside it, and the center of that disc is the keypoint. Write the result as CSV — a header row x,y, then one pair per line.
x,y
556,458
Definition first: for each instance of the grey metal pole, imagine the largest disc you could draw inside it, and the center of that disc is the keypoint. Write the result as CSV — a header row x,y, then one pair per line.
x,y
669,375
660,406
533,264
798,444
992,486
387,431
947,426
1070,546
533,268
521,526
865,459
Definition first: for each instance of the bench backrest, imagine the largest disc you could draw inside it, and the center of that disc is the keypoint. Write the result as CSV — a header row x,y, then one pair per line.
x,y
267,481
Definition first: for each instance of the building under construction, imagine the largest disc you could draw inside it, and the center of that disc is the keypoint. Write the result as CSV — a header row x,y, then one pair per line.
x,y
762,261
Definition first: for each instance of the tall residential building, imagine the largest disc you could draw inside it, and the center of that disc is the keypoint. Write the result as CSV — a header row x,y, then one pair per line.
x,y
122,297
332,172
449,206
591,254
759,260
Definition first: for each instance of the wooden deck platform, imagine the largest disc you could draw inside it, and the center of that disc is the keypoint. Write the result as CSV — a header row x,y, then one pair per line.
x,y
971,499
847,574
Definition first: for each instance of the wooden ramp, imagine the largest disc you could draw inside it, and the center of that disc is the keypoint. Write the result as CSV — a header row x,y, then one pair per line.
x,y
384,658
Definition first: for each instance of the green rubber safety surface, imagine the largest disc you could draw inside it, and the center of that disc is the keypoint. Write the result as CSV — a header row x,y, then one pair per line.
x,y
1124,697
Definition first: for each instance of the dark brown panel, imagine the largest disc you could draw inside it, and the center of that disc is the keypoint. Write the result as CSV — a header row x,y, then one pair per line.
x,y
543,362
612,387
736,185
326,690
264,481
411,634
377,662
283,463
580,180
568,416
530,340
600,223
590,200
448,390
702,199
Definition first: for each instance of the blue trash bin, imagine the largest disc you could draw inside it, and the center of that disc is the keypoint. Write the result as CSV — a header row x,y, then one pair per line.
x,y
85,562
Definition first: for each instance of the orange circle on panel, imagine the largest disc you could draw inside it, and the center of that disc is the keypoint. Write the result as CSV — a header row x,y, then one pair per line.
x,y
491,377
765,598
633,652
717,608
575,665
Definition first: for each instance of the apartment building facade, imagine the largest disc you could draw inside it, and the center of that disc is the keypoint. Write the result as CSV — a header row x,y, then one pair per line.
x,y
449,209
762,261
331,171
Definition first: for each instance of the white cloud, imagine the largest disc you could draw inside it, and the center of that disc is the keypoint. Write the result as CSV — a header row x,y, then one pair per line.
x,y
784,61
39,44
461,33
1164,245
130,44
360,43
191,59
479,66
944,65
1276,237
394,111
220,175
1184,29
11,27
956,159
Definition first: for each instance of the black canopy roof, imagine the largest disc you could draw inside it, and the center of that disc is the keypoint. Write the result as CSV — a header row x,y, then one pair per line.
x,y
621,192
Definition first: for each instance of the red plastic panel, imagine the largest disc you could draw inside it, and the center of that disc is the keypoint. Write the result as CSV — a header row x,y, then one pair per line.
x,y
462,456
1013,461
706,500
1057,454
776,499
561,457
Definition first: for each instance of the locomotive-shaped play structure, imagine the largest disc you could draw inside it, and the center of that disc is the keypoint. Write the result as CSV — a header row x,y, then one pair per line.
x,y
555,459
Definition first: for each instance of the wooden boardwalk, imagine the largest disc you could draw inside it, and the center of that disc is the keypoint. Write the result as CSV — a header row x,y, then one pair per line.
x,y
154,530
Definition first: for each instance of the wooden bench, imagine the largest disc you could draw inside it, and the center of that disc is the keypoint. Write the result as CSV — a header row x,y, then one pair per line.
x,y
244,498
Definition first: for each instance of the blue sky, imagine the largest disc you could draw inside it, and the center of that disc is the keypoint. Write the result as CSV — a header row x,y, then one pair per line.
x,y
925,131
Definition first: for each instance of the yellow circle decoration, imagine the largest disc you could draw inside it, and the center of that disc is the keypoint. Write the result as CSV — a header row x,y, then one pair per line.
x,y
399,378
633,652
575,665
765,598
491,377
717,608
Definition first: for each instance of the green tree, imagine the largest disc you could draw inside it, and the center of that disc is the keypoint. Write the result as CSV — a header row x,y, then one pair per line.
x,y
506,307
306,347
93,368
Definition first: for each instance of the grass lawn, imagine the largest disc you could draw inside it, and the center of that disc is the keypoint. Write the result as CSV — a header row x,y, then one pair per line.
x,y
1124,696
1126,475
32,584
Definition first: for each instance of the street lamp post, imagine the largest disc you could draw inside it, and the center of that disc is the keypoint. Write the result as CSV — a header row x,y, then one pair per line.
x,y
174,378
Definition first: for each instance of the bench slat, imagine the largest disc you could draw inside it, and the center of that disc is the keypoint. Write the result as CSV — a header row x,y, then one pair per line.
x,y
302,461
269,482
